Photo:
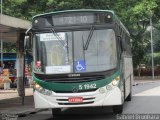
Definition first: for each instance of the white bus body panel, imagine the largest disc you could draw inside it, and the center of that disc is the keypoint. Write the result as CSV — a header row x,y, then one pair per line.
x,y
108,98
128,74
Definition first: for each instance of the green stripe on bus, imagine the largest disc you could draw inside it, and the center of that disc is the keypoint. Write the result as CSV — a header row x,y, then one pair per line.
x,y
69,86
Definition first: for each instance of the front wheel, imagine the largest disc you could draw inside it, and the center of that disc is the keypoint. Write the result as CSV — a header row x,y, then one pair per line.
x,y
56,112
129,97
118,109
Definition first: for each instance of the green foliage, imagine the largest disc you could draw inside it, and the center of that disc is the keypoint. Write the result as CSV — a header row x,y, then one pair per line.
x,y
9,47
148,59
136,17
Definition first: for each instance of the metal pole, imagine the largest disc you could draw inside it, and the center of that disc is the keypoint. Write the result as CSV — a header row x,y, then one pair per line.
x,y
152,47
1,39
1,6
1,52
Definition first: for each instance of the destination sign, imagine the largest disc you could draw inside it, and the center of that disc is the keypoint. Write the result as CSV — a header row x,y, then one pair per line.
x,y
71,19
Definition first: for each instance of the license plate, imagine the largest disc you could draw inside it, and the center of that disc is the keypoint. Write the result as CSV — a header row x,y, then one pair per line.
x,y
75,99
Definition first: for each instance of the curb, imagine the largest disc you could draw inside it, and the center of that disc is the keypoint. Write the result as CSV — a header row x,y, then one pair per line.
x,y
20,114
143,82
30,112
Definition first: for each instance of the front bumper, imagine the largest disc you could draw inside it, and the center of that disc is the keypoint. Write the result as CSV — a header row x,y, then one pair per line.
x,y
95,98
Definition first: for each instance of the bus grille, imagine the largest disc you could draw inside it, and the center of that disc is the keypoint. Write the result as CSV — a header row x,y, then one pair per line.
x,y
83,103
66,79
74,80
80,91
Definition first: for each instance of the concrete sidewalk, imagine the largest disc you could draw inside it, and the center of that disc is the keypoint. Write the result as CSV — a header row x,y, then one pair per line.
x,y
11,103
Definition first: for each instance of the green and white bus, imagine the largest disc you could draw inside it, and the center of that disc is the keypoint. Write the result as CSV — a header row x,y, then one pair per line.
x,y
81,58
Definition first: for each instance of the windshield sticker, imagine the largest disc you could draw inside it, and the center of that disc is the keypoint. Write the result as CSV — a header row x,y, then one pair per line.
x,y
58,69
80,66
52,37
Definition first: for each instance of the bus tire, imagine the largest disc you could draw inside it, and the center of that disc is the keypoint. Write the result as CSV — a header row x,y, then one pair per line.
x,y
118,109
56,111
129,97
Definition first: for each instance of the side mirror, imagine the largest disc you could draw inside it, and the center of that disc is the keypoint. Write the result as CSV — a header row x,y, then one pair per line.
x,y
27,40
27,43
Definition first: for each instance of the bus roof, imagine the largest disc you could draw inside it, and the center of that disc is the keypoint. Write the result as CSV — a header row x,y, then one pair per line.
x,y
76,10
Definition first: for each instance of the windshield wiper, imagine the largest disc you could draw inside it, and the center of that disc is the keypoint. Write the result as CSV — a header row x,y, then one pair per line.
x,y
89,38
59,39
64,44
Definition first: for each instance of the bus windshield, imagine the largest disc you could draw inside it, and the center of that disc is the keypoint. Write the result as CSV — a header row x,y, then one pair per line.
x,y
64,52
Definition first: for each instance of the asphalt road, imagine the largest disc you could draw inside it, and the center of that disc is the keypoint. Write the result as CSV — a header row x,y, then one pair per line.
x,y
145,101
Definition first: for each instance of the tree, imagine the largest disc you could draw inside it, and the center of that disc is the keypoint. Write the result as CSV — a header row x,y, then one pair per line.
x,y
9,47
135,15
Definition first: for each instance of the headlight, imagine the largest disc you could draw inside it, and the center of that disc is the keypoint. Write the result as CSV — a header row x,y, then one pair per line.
x,y
37,86
115,82
48,92
109,87
42,90
102,90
